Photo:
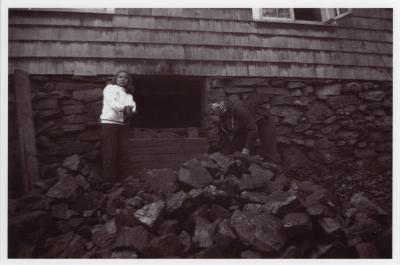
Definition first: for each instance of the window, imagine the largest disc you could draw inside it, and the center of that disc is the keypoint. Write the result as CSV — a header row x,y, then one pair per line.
x,y
307,15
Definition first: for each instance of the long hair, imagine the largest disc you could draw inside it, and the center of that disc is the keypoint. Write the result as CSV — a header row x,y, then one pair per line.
x,y
129,86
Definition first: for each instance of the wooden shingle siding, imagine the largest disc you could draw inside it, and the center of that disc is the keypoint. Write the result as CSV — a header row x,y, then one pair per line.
x,y
102,66
201,42
88,34
194,52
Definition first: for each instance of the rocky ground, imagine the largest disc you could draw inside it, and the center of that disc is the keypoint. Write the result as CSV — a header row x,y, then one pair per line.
x,y
216,207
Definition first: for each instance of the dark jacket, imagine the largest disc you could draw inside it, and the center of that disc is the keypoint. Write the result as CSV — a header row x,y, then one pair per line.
x,y
238,119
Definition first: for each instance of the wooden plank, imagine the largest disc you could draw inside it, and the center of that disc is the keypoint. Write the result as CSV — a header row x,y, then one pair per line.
x,y
26,130
381,13
366,23
198,38
193,68
198,53
55,32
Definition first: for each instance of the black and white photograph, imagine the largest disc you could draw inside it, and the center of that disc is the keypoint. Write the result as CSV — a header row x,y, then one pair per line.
x,y
198,133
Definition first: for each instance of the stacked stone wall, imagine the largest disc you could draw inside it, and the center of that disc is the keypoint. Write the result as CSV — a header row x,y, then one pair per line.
x,y
319,120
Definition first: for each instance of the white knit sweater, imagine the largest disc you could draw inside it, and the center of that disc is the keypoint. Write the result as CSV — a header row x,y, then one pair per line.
x,y
114,100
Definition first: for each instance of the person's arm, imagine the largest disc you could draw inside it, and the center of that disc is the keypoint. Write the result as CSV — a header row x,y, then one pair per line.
x,y
110,96
130,103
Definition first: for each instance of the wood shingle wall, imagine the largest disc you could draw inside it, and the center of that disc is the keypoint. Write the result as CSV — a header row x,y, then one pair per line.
x,y
200,42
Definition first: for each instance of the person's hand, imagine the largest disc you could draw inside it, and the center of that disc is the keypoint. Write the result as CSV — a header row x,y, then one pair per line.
x,y
128,111
245,151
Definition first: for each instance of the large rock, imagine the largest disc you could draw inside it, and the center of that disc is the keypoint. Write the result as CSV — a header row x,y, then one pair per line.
x,y
103,235
137,238
203,233
224,235
338,102
124,254
176,201
365,206
162,181
169,226
87,95
281,203
194,175
134,238
260,172
165,246
90,201
318,112
212,252
249,182
260,231
68,245
374,95
364,227
330,226
150,214
366,250
65,188
61,211
296,224
72,162
328,90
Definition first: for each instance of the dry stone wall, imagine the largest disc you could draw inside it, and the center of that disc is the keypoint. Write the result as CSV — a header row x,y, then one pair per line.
x,y
319,120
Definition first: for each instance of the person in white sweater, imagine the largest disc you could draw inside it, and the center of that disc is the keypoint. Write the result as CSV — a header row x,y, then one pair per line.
x,y
118,106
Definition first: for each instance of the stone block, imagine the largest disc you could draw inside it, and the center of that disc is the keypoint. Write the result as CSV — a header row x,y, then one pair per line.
x,y
212,252
92,200
364,205
73,109
203,233
260,231
165,246
65,188
176,201
318,113
72,162
352,87
238,90
337,102
250,254
169,226
296,224
374,95
133,238
366,250
328,90
45,104
194,175
295,85
124,254
103,235
330,226
88,95
150,214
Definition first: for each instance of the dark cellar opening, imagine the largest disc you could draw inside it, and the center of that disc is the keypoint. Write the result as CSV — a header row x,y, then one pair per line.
x,y
167,102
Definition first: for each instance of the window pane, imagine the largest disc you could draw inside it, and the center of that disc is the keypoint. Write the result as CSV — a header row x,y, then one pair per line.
x,y
342,10
276,12
308,14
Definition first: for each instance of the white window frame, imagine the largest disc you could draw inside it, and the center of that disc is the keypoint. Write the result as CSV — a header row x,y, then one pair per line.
x,y
77,10
327,16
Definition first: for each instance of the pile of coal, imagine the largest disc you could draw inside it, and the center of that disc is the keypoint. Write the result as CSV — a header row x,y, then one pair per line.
x,y
215,207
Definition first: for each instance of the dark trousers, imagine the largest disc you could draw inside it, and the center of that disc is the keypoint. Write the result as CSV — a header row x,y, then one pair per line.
x,y
113,135
266,132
